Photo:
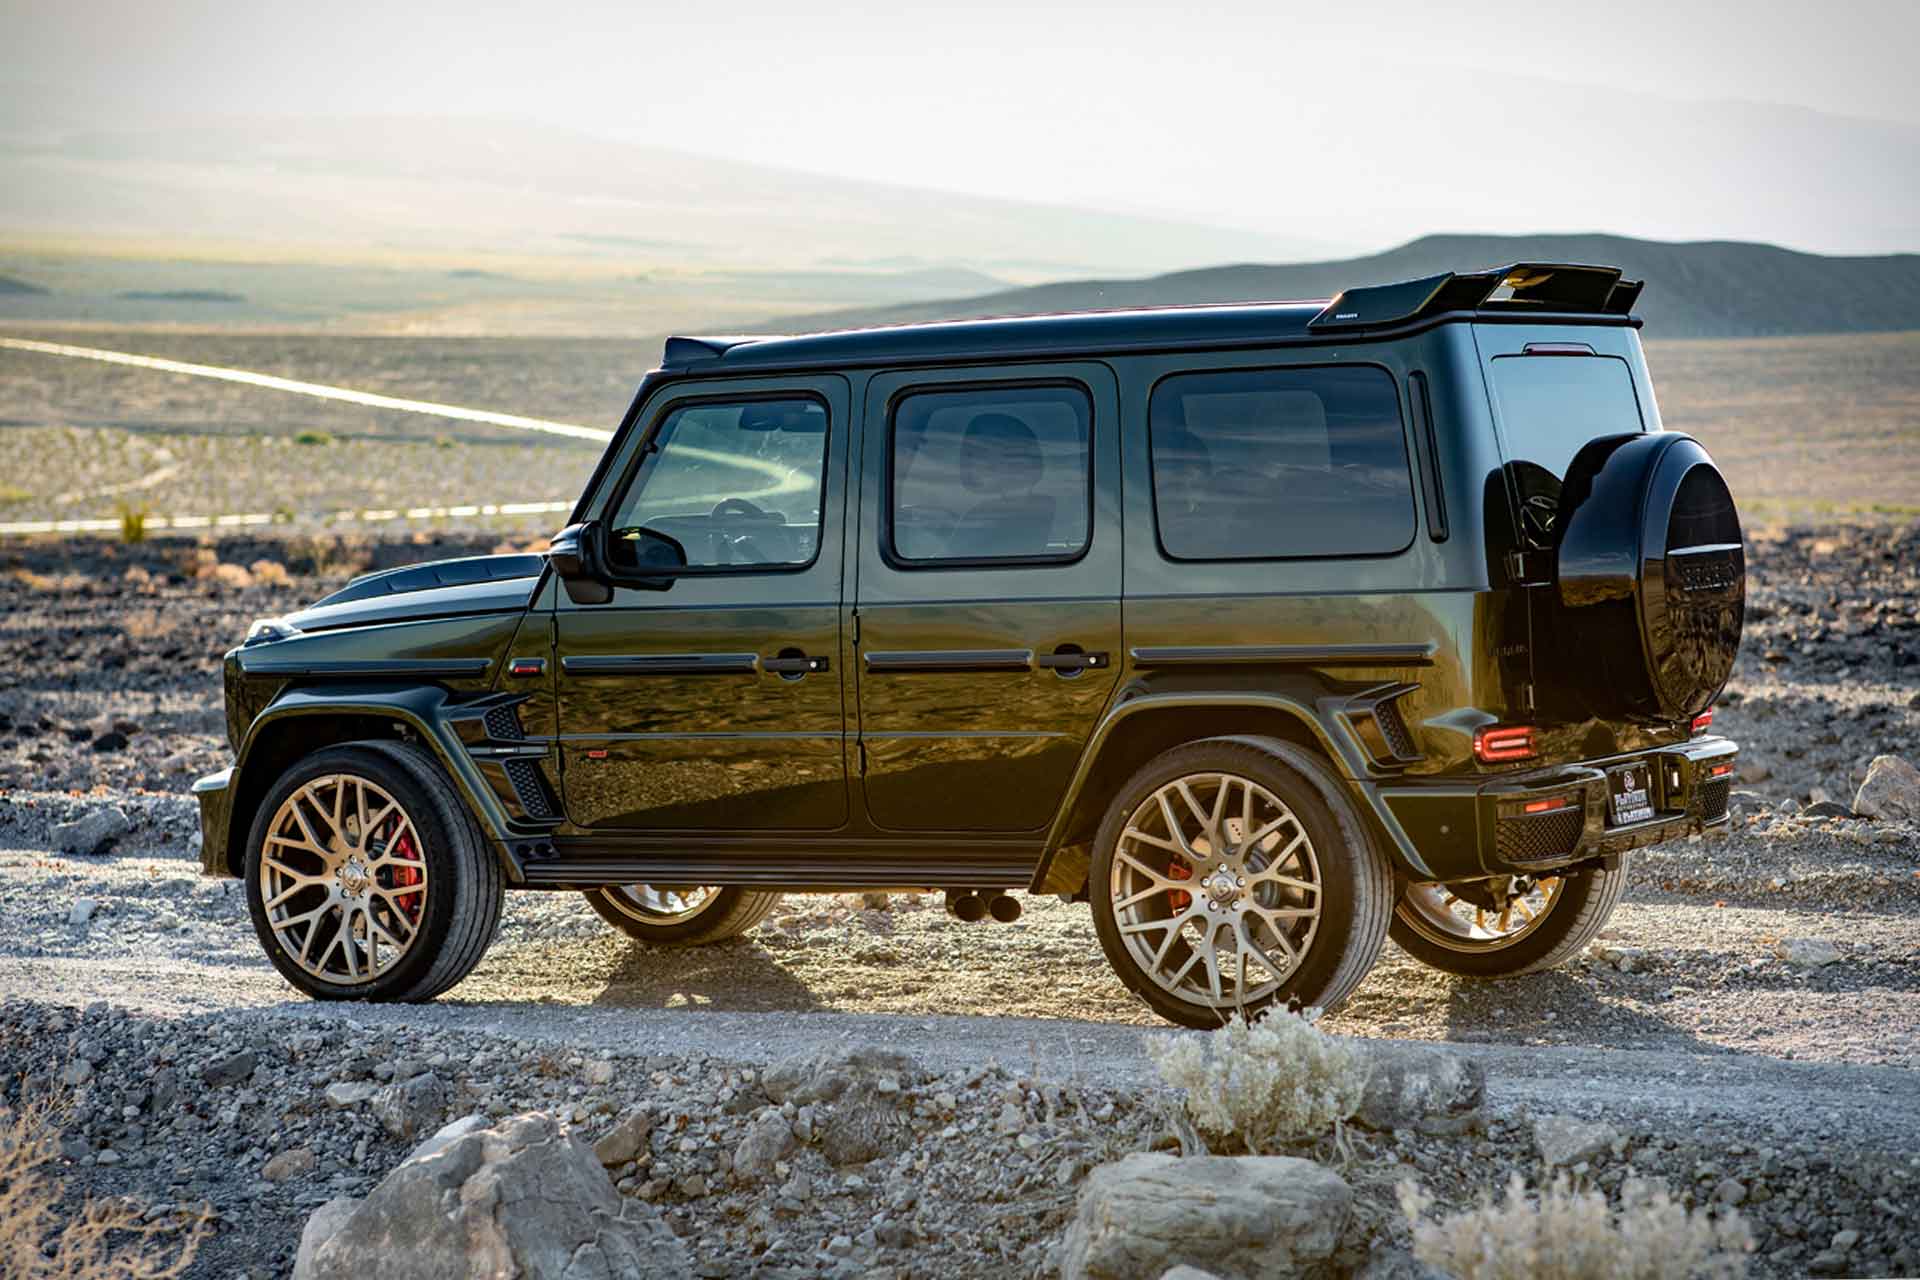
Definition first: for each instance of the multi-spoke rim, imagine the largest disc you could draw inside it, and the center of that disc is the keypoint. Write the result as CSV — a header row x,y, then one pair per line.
x,y
1519,906
663,904
343,878
1216,890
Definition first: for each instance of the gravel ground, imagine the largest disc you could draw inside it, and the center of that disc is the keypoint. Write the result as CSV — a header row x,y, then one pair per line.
x,y
1716,1060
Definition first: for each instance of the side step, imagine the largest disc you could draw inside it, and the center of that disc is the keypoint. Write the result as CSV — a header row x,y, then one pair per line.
x,y
820,873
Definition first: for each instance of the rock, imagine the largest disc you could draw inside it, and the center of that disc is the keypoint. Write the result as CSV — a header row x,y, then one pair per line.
x,y
599,1072
1397,1264
81,911
1422,1088
168,922
1754,771
112,740
93,832
826,1076
287,1164
1826,809
521,1199
861,1127
1563,1140
1890,793
408,1108
350,1093
862,1084
1250,1217
768,1139
625,1140
1807,953
1730,1191
231,1069
321,1227
76,1073
448,1135
1185,1272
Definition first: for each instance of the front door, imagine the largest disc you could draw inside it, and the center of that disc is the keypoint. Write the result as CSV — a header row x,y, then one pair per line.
x,y
715,704
987,610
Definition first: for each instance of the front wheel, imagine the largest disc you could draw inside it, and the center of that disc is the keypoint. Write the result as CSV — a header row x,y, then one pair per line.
x,y
681,915
1507,925
1231,874
368,879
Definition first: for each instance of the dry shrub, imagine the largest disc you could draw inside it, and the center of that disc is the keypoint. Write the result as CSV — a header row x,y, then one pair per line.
x,y
135,576
144,624
1574,1235
230,575
103,1240
270,573
1278,1080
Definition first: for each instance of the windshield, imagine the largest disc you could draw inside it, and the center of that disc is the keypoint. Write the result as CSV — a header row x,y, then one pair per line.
x,y
1551,405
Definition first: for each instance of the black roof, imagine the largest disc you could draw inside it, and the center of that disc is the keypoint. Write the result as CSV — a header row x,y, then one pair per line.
x,y
1533,290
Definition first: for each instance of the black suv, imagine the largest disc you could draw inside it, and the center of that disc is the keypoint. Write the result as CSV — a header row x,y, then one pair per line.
x,y
1267,630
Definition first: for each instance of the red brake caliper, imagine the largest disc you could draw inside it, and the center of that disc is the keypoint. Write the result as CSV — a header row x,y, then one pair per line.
x,y
404,849
1178,899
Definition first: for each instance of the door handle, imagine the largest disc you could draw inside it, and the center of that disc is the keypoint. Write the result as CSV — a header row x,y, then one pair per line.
x,y
1071,661
797,666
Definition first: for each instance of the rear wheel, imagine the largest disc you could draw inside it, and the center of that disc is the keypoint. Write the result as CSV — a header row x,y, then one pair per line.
x,y
681,915
1233,873
367,878
1506,925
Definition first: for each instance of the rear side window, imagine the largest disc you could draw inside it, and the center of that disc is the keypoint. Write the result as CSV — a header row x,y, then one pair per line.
x,y
1551,405
1262,464
990,474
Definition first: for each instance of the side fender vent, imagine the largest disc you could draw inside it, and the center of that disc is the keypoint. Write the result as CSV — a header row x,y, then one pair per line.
x,y
531,789
1382,730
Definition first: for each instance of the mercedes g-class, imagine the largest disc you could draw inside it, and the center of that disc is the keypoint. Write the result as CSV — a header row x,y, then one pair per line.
x,y
1270,631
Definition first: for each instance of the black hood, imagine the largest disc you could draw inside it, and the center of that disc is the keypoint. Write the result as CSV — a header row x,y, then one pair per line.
x,y
441,588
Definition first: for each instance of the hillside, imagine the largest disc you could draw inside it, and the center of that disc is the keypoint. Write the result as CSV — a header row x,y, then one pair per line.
x,y
1712,289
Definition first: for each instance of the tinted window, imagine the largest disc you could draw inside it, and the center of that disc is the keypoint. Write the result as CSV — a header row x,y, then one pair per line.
x,y
991,474
735,484
1267,463
1551,405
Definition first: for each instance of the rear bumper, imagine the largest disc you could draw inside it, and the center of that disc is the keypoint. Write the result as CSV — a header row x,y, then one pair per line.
x,y
215,794
1463,830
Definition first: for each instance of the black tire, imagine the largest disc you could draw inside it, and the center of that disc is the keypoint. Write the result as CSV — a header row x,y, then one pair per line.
x,y
1576,913
728,913
1355,896
463,877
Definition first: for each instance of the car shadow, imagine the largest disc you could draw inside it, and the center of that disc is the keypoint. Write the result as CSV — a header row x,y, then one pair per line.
x,y
1558,1007
737,976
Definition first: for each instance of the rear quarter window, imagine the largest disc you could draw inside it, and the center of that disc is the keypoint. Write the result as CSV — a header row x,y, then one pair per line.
x,y
1263,464
1551,405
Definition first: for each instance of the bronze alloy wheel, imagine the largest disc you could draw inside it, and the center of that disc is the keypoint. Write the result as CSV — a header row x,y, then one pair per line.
x,y
663,904
1216,890
343,879
1493,923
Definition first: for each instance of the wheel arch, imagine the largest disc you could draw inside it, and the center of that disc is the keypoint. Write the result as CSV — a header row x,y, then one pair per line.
x,y
1140,728
304,720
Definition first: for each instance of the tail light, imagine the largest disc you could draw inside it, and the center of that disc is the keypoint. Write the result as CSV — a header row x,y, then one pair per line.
x,y
1702,722
1503,744
1548,805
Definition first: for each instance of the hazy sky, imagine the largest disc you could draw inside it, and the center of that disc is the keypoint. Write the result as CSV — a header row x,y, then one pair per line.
x,y
1210,112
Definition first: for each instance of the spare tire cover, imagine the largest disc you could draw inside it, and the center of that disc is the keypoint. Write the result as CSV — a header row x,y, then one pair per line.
x,y
1651,575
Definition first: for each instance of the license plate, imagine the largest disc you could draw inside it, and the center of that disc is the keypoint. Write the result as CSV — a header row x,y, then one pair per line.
x,y
1629,794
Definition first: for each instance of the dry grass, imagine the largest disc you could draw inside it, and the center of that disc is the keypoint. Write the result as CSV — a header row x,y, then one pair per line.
x,y
103,1240
1564,1234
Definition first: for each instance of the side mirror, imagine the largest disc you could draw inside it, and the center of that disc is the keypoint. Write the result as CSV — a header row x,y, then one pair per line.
x,y
574,556
642,557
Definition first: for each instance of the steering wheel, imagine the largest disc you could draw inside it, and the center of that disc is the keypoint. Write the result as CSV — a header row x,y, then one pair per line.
x,y
741,507
742,544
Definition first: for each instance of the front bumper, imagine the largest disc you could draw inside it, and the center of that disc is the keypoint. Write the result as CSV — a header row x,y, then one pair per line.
x,y
1464,830
215,794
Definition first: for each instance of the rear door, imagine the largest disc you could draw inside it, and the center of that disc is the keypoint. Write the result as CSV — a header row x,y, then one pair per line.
x,y
715,704
988,600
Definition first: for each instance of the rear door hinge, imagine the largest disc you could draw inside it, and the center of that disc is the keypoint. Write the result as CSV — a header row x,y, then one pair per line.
x,y
862,747
1530,568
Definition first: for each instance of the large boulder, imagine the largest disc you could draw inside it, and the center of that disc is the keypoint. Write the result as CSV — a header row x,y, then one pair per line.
x,y
521,1199
1424,1088
1891,791
1564,1140
1235,1217
94,831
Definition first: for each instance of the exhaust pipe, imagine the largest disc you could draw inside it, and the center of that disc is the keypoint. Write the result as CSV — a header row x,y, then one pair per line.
x,y
1004,907
966,906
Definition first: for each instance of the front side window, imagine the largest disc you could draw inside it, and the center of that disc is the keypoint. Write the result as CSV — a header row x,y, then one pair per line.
x,y
1261,464
734,484
991,473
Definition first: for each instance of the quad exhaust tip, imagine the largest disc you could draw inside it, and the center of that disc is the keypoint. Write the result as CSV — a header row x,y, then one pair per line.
x,y
973,906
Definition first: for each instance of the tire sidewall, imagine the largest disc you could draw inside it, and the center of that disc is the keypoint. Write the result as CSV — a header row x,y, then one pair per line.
x,y
1337,876
437,849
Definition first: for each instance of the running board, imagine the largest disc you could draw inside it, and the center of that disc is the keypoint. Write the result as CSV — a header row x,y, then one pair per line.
x,y
583,866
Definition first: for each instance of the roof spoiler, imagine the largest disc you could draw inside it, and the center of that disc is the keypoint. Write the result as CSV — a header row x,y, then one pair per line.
x,y
1543,286
686,350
